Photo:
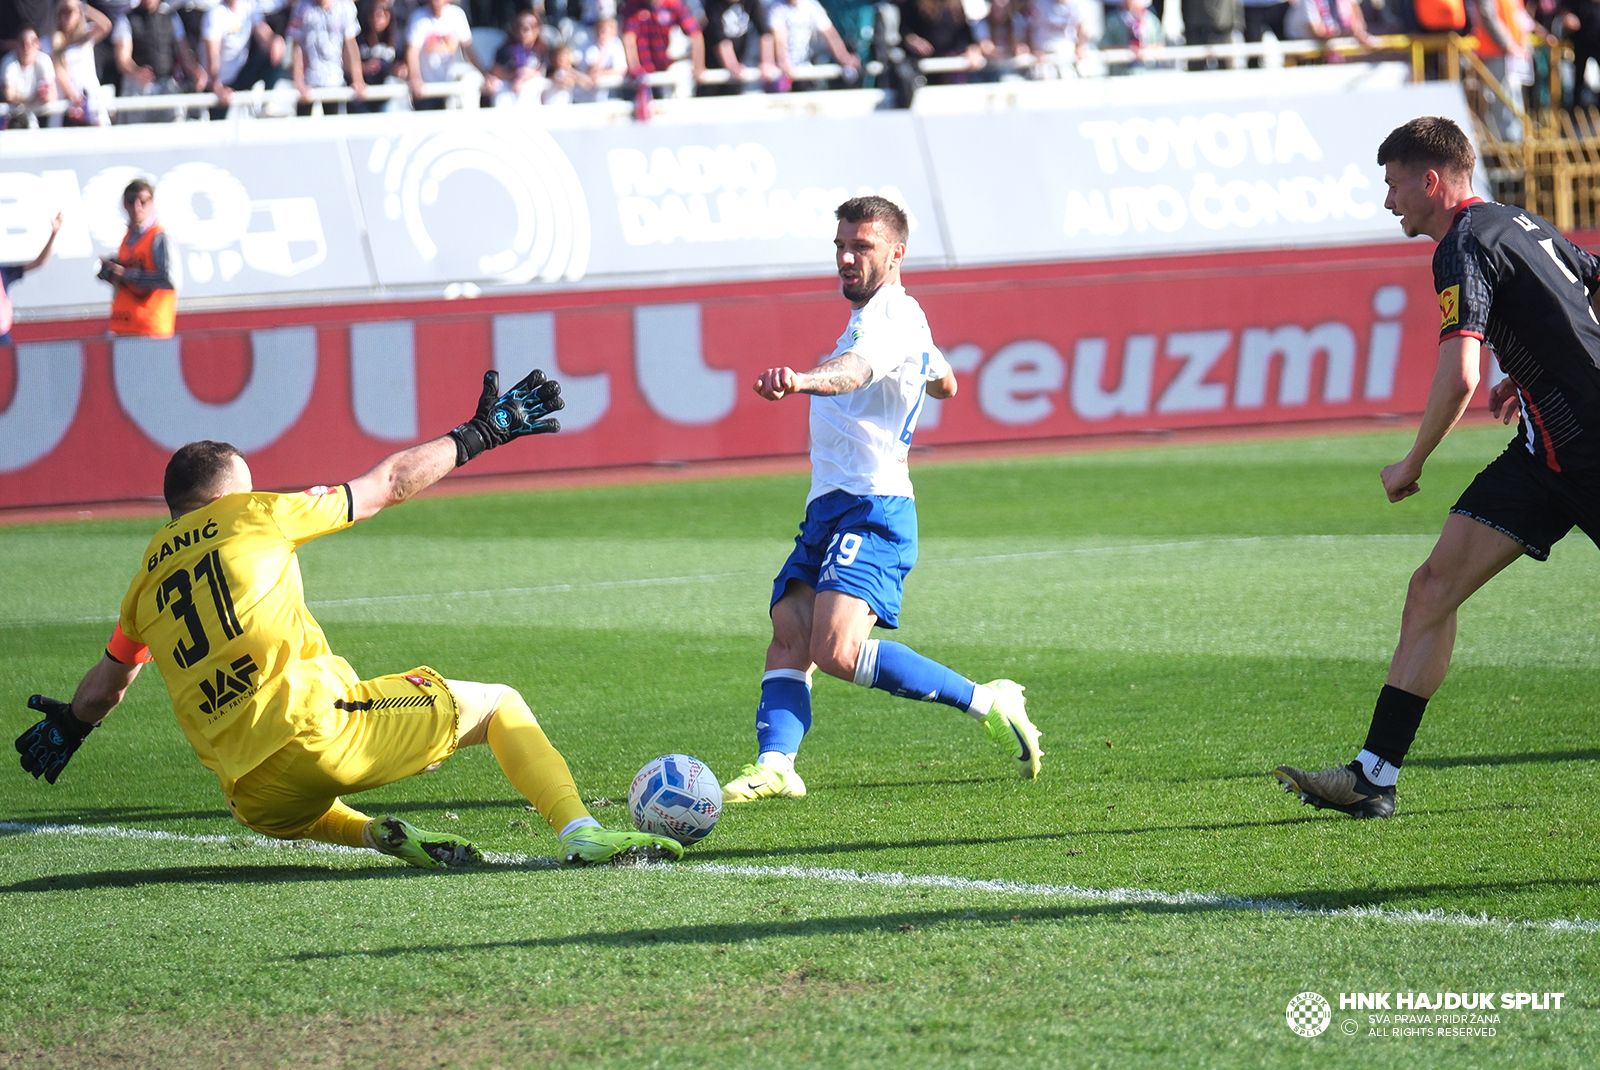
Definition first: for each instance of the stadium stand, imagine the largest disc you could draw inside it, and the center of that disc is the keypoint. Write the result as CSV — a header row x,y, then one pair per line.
x,y
900,47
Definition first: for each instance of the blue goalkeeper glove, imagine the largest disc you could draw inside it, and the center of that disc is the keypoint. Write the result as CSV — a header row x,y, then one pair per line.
x,y
49,745
522,410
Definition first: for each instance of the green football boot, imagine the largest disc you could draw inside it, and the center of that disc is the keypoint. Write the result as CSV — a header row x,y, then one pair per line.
x,y
418,847
763,782
1008,725
591,845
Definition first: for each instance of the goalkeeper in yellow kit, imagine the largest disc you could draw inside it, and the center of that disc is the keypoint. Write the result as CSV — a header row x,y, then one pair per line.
x,y
285,723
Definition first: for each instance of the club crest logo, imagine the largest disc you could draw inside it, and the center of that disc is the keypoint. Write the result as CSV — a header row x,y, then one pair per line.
x,y
1449,307
420,681
1308,1014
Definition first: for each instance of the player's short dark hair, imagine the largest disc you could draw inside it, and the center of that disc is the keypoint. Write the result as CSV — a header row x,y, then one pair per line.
x,y
1432,142
136,187
195,471
875,210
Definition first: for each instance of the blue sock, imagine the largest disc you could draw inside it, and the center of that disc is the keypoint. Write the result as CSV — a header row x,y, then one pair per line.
x,y
784,716
901,671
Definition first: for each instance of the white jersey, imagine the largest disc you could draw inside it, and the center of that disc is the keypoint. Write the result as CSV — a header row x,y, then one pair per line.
x,y
859,440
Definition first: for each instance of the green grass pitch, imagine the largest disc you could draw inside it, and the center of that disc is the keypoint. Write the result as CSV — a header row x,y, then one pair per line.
x,y
1185,618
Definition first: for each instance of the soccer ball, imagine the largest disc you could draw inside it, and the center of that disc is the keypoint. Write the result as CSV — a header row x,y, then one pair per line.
x,y
675,795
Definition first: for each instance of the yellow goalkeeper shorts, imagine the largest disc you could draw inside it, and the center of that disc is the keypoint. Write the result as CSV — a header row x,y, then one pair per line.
x,y
381,731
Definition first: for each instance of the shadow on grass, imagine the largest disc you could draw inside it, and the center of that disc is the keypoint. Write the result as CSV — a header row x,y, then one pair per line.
x,y
257,874
227,875
911,921
901,922
1531,758
125,816
1398,896
101,815
930,782
980,841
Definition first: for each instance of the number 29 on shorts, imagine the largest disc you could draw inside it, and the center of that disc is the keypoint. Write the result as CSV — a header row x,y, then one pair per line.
x,y
842,549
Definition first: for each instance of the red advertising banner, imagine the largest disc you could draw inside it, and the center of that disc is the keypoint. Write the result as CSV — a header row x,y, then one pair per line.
x,y
318,394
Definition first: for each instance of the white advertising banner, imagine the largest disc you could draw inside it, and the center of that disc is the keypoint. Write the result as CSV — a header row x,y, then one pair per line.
x,y
501,202
461,203
243,219
1173,177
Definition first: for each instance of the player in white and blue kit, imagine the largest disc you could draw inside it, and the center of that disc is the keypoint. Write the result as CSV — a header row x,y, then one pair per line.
x,y
859,536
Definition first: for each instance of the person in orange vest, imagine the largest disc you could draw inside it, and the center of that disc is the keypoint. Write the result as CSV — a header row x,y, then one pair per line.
x,y
144,302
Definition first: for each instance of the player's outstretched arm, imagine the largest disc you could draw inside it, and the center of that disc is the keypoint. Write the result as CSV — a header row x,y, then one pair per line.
x,y
523,410
840,375
400,475
49,745
1454,381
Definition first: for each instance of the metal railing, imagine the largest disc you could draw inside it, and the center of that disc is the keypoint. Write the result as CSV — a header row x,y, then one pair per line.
x,y
279,100
1456,60
679,80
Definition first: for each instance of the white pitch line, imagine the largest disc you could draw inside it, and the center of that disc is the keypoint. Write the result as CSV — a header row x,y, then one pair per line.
x,y
1134,896
1130,896
112,832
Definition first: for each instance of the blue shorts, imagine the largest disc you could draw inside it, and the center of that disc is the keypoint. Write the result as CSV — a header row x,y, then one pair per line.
x,y
860,545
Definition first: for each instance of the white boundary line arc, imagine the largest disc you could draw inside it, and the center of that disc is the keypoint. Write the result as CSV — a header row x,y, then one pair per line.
x,y
1130,896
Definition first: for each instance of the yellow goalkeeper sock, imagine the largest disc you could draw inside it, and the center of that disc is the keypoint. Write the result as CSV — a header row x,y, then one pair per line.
x,y
340,825
533,766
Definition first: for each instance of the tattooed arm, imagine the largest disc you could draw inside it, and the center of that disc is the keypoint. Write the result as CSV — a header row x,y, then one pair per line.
x,y
840,375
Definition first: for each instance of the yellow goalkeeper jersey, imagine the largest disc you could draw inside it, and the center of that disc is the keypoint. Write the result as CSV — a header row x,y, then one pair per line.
x,y
219,604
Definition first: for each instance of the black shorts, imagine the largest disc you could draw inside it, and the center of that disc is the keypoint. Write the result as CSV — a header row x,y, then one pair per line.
x,y
1519,497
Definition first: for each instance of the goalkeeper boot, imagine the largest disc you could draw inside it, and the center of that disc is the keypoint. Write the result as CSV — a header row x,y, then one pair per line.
x,y
1008,725
591,845
417,847
763,782
1345,789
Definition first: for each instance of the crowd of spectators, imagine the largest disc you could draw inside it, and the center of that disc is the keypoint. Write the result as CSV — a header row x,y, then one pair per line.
x,y
563,51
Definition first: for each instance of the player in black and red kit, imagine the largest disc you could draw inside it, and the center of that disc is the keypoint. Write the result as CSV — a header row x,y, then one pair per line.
x,y
1507,278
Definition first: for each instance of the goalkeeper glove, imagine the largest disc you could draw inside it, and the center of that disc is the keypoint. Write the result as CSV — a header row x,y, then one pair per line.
x,y
522,410
48,745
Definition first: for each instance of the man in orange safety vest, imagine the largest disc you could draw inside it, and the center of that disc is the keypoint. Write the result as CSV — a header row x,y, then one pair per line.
x,y
144,302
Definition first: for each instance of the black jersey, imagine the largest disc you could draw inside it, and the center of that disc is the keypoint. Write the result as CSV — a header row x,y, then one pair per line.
x,y
1508,277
